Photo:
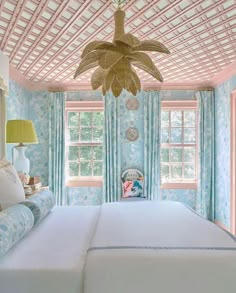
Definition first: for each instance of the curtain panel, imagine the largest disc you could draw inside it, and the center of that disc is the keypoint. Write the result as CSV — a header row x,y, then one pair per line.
x,y
57,147
112,149
205,201
152,130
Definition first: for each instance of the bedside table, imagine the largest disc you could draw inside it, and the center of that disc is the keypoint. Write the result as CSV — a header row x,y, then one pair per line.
x,y
36,191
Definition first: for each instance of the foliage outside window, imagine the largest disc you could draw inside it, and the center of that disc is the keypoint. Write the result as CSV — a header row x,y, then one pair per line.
x,y
178,144
84,145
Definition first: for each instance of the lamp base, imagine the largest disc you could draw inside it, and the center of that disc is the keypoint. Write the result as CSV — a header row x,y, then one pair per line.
x,y
21,163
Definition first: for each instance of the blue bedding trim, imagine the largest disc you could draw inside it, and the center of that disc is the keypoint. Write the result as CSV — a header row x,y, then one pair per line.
x,y
161,248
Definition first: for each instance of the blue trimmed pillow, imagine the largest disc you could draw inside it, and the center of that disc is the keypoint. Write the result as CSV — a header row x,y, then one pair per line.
x,y
15,222
40,204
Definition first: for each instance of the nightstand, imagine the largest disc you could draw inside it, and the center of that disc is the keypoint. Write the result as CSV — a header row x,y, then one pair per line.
x,y
36,191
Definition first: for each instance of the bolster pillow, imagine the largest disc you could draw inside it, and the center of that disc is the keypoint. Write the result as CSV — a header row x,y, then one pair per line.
x,y
15,222
40,204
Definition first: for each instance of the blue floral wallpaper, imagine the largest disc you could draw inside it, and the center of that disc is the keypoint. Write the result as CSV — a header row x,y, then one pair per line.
x,y
222,150
84,196
131,151
186,196
84,96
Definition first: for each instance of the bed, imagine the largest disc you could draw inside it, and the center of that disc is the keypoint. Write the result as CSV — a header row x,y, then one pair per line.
x,y
128,247
158,247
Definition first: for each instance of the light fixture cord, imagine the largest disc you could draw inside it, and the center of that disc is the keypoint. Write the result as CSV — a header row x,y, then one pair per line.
x,y
119,3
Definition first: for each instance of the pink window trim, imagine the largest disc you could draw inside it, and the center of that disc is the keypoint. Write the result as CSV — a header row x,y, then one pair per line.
x,y
233,163
182,106
179,104
178,185
85,106
91,183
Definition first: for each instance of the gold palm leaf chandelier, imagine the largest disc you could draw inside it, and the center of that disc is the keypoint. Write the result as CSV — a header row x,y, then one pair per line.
x,y
115,60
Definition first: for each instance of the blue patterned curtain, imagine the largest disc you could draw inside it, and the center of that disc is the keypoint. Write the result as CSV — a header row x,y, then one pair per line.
x,y
57,147
205,203
112,156
2,123
152,130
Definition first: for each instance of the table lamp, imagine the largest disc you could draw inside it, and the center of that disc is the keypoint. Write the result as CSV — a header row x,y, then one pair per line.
x,y
22,132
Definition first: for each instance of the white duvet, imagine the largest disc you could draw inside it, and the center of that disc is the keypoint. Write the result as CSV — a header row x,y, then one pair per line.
x,y
158,247
50,259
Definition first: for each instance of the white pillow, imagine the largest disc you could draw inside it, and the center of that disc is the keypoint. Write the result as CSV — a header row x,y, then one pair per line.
x,y
11,188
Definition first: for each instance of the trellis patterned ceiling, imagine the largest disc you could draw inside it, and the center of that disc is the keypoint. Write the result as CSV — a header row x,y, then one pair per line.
x,y
44,38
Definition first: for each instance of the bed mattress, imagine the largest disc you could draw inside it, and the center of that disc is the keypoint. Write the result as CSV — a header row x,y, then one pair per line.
x,y
158,247
50,259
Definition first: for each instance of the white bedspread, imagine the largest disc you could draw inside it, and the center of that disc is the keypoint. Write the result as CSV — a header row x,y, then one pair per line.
x,y
157,247
50,259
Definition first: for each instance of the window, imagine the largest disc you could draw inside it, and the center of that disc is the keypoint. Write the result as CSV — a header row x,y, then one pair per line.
x,y
179,144
84,143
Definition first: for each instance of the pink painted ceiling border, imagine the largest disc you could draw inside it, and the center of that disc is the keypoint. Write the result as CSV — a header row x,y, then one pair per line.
x,y
225,74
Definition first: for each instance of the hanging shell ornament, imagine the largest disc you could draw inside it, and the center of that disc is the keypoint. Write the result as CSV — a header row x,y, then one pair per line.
x,y
115,60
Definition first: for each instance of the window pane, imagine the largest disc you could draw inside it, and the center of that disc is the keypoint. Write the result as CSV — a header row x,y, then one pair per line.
x,y
97,153
176,155
73,134
73,153
73,169
189,118
86,134
189,135
73,119
164,118
189,155
86,169
97,134
97,169
85,153
176,118
176,171
165,135
176,135
165,173
189,172
98,118
86,118
164,155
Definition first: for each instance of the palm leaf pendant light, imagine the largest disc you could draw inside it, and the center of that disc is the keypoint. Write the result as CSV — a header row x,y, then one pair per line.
x,y
116,60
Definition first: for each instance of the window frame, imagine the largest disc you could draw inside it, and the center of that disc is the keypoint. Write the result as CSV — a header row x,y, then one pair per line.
x,y
82,106
183,105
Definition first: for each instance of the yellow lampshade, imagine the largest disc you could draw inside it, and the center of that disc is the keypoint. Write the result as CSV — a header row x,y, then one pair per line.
x,y
21,131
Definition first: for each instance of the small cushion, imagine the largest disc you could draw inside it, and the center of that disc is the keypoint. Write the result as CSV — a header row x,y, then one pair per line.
x,y
133,188
12,191
40,204
15,222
